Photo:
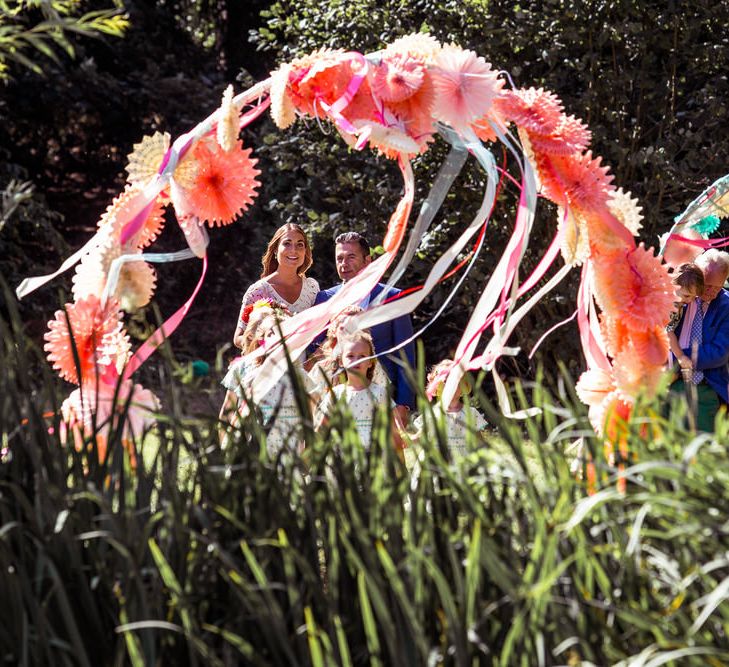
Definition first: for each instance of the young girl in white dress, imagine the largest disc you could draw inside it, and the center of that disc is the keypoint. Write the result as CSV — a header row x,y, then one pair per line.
x,y
283,278
354,355
325,366
460,419
278,409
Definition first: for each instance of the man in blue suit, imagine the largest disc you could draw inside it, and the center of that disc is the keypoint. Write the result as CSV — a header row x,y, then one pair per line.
x,y
352,254
710,355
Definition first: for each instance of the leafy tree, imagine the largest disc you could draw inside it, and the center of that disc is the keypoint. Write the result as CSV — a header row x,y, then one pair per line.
x,y
42,27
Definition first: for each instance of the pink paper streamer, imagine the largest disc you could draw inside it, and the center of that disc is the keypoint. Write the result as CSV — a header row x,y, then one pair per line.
x,y
164,331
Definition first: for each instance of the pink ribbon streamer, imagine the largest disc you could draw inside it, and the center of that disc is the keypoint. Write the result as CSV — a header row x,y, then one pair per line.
x,y
701,243
590,336
164,331
334,111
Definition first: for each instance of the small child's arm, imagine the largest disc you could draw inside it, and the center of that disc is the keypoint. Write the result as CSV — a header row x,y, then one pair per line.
x,y
683,361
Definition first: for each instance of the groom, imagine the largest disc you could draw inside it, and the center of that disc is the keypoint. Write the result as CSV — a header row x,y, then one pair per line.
x,y
352,254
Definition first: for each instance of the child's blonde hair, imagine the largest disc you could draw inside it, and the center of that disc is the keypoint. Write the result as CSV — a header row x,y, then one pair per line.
x,y
328,348
356,337
256,325
438,375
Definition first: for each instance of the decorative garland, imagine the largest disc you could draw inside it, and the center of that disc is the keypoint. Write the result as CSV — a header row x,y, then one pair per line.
x,y
395,101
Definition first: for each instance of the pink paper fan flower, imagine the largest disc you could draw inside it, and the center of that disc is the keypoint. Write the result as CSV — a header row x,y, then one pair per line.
x,y
594,385
602,226
117,215
532,109
465,86
101,404
570,136
574,180
98,336
397,77
225,184
636,285
415,112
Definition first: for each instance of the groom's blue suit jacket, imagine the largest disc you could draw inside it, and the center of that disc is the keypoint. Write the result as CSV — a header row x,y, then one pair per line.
x,y
386,336
713,352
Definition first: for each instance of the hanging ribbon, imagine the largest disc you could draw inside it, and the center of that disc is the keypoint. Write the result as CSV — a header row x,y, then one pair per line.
x,y
164,331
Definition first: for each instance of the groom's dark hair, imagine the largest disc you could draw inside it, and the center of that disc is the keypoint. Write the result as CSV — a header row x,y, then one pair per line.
x,y
354,237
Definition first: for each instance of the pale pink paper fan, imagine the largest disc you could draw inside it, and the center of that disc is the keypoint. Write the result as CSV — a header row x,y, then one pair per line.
x,y
465,86
397,77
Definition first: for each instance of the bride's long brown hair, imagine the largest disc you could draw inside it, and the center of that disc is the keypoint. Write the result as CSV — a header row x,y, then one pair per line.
x,y
269,261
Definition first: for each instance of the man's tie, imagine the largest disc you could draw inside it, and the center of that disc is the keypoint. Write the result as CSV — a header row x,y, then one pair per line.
x,y
697,327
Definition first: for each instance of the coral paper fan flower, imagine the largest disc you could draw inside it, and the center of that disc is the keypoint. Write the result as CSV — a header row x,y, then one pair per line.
x,y
483,127
297,71
362,106
635,285
533,109
397,77
465,86
574,180
634,375
614,332
594,385
570,136
326,81
652,345
225,185
118,214
98,337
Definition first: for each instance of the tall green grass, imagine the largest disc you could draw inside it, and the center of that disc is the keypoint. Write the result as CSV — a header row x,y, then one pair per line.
x,y
205,556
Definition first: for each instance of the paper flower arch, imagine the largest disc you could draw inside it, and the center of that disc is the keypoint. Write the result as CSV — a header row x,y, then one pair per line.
x,y
396,101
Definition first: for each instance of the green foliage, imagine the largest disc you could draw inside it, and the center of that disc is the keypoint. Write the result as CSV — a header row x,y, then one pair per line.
x,y
222,557
43,27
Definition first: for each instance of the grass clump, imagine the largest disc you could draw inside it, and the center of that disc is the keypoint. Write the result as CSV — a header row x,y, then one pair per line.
x,y
210,556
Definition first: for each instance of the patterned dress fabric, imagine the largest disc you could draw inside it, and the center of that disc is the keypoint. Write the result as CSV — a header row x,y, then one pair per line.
x,y
262,289
458,425
362,403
